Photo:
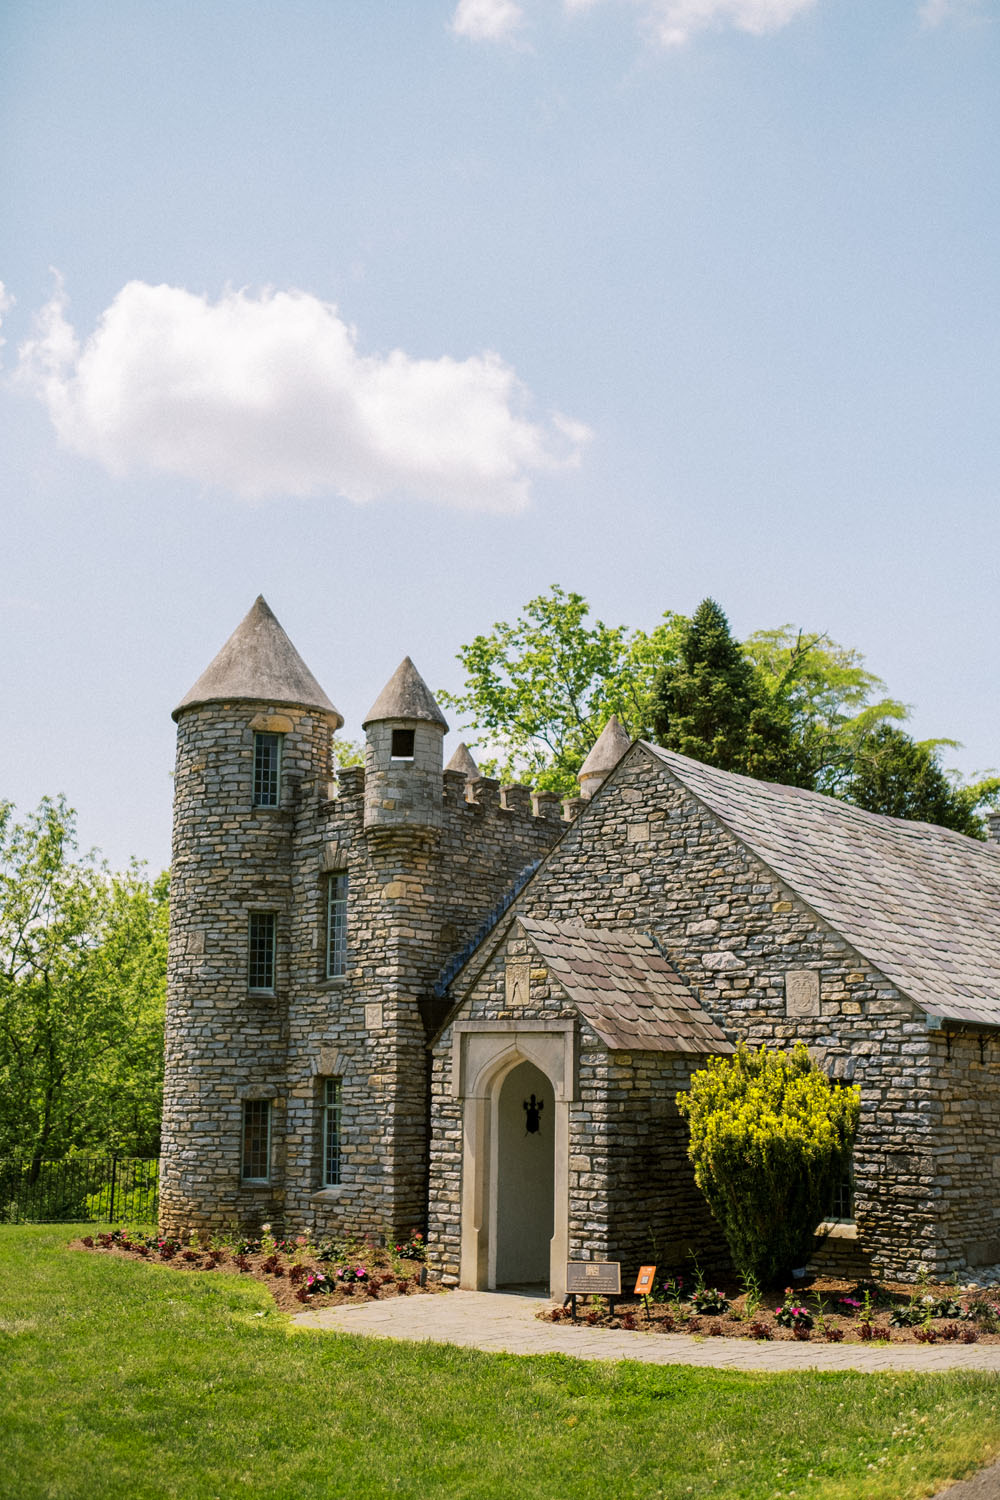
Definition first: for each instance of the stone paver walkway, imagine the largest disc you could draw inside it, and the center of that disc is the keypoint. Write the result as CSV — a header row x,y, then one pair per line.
x,y
502,1322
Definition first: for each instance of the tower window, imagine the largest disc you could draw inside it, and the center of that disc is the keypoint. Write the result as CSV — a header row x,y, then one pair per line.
x,y
336,925
266,770
402,744
256,1154
331,1132
260,956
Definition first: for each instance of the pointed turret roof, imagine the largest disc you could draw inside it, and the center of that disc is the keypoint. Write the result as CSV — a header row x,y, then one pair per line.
x,y
405,696
258,664
611,745
462,761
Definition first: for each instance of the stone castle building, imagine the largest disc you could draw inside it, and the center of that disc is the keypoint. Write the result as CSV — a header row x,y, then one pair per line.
x,y
404,997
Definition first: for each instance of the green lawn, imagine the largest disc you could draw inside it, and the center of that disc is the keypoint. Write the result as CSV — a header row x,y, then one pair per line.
x,y
124,1379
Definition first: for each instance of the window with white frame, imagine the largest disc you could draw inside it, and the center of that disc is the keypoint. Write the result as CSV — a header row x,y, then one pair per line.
x,y
336,924
331,1131
255,1165
266,770
261,950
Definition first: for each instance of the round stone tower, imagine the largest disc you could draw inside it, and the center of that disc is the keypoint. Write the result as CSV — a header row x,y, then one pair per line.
x,y
254,727
404,757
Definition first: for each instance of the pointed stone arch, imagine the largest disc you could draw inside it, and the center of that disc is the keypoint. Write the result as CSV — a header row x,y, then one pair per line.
x,y
485,1053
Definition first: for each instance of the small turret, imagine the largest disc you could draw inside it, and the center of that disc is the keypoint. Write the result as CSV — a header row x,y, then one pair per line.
x,y
404,756
611,745
463,761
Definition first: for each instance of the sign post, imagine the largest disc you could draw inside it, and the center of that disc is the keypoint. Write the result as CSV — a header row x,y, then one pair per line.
x,y
595,1278
644,1285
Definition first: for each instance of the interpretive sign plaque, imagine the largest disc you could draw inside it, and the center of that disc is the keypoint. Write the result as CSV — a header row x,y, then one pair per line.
x,y
602,1277
644,1281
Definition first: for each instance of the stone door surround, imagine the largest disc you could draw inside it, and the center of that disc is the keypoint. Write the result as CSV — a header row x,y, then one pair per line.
x,y
483,1053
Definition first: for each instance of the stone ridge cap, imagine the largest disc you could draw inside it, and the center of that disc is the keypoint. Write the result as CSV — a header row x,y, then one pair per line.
x,y
258,664
811,885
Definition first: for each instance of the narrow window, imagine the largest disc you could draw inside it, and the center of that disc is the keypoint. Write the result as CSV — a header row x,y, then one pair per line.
x,y
336,925
331,1132
842,1203
256,1161
266,770
260,964
402,744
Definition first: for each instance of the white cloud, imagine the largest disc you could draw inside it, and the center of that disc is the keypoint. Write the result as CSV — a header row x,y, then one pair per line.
x,y
670,23
268,395
487,20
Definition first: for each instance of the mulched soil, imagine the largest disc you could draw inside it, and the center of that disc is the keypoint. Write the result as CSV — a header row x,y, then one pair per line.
x,y
285,1274
819,1296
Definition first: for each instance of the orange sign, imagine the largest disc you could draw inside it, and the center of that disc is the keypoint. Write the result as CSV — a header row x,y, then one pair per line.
x,y
644,1281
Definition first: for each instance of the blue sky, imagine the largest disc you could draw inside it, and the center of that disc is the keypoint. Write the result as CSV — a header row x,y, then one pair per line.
x,y
401,313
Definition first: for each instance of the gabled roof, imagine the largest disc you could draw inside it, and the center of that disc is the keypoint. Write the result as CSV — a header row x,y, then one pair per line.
x,y
624,987
405,696
921,903
258,664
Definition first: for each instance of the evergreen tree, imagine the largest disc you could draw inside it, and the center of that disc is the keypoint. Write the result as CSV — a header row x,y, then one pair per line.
x,y
713,704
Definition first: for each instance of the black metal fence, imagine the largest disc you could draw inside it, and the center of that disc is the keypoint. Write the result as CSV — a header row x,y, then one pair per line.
x,y
77,1189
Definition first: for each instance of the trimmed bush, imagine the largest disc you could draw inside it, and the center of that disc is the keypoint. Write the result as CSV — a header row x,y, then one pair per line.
x,y
770,1136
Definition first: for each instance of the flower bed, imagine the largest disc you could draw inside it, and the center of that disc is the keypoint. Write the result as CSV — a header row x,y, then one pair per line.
x,y
298,1271
822,1310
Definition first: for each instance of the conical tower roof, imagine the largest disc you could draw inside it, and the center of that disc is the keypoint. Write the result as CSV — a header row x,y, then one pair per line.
x,y
611,745
462,761
258,664
405,696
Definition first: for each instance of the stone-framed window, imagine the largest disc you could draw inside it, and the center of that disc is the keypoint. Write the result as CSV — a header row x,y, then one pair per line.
x,y
336,924
261,943
842,1200
266,769
331,1117
402,747
255,1155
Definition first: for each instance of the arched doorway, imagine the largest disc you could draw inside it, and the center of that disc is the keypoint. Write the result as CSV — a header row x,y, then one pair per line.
x,y
497,1065
523,1167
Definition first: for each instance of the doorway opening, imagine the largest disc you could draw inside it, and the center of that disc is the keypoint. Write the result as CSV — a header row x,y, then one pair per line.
x,y
523,1171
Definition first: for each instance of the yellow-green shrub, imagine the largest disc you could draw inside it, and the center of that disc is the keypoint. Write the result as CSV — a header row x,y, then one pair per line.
x,y
770,1135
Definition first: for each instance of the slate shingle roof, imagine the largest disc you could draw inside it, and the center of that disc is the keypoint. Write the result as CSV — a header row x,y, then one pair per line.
x,y
921,903
625,989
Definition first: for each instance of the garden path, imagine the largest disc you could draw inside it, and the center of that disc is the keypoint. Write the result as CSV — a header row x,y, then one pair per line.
x,y
506,1322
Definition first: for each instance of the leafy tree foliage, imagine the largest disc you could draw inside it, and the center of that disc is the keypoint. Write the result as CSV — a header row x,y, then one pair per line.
x,y
770,1137
82,987
784,706
539,691
832,701
713,704
901,777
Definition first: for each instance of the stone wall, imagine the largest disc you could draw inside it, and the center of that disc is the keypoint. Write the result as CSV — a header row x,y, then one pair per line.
x,y
416,895
225,1044
646,854
631,1189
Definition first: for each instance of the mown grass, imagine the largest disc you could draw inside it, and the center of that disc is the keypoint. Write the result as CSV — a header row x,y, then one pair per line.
x,y
120,1378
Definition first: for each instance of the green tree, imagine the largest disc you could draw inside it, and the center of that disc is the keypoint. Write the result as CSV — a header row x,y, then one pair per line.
x,y
902,777
770,1136
82,987
831,700
539,691
713,704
